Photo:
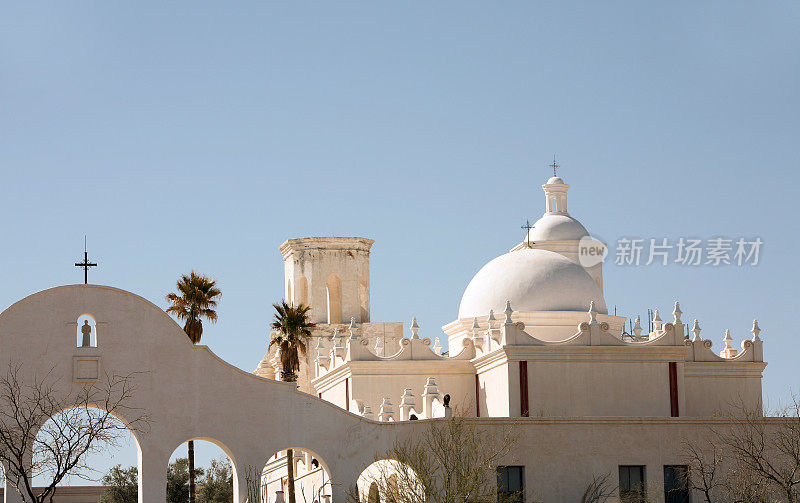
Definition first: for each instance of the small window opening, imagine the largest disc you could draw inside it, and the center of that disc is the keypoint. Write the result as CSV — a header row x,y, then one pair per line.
x,y
511,484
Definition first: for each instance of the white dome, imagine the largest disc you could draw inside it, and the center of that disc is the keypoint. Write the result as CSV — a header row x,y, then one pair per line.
x,y
554,180
533,280
555,227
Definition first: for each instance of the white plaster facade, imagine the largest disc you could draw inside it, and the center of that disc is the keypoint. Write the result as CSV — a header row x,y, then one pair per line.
x,y
561,376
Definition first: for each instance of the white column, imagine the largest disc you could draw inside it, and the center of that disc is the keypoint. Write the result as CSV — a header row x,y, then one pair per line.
x,y
153,463
11,495
249,461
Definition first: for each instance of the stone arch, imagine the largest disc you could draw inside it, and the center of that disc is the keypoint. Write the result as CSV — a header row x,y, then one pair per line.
x,y
301,291
237,498
87,320
385,479
59,425
312,476
334,291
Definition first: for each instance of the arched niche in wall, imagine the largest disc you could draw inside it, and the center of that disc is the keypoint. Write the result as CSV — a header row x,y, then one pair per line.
x,y
301,291
334,291
363,298
87,331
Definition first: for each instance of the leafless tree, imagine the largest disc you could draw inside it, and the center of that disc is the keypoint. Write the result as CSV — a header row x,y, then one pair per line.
x,y
744,486
705,462
599,490
47,432
749,458
766,451
453,460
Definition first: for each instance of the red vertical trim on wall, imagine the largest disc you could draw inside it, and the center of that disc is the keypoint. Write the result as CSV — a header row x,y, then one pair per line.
x,y
477,396
673,389
347,394
523,389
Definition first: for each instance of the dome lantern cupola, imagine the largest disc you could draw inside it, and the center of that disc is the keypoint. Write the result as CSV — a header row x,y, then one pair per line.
x,y
555,193
556,224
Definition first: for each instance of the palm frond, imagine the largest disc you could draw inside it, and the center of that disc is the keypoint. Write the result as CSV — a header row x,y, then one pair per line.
x,y
196,299
291,331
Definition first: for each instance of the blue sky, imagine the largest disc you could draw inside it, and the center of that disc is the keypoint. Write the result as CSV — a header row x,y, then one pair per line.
x,y
202,136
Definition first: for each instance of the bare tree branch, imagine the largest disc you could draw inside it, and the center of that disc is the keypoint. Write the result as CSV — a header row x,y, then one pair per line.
x,y
48,433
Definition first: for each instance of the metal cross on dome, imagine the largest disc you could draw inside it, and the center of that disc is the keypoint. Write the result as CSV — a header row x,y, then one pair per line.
x,y
528,228
555,165
85,264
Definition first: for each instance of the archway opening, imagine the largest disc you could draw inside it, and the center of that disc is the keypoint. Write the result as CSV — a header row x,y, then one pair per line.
x,y
214,469
389,480
312,480
102,450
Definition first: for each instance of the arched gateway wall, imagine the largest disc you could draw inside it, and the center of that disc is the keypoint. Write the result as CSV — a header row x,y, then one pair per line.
x,y
188,392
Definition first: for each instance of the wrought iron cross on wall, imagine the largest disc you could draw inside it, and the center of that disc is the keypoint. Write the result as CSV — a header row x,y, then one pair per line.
x,y
85,264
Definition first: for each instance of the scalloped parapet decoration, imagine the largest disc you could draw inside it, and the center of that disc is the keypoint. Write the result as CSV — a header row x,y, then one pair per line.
x,y
700,351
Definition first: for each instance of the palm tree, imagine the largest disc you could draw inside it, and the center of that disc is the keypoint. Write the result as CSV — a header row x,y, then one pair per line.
x,y
291,331
196,299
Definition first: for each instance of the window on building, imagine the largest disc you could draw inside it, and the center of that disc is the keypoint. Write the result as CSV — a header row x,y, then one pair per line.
x,y
511,484
632,484
676,484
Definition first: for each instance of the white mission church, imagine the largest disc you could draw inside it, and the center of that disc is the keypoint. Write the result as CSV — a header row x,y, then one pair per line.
x,y
532,340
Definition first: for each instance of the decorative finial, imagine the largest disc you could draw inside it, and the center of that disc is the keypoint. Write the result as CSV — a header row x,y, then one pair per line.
x,y
491,319
367,412
352,328
727,340
637,327
755,331
728,351
379,346
477,338
508,312
696,331
414,328
677,312
592,313
437,346
337,338
657,320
